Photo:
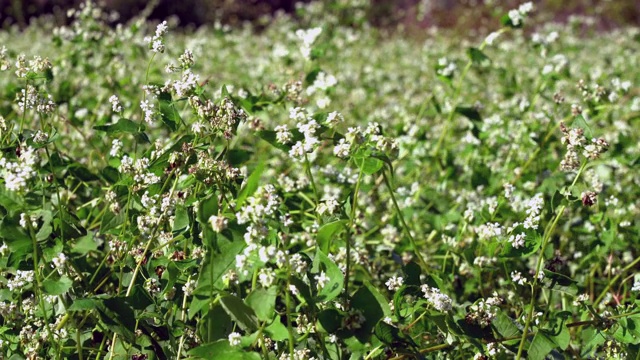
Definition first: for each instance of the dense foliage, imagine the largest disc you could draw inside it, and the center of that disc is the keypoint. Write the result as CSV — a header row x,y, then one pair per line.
x,y
319,191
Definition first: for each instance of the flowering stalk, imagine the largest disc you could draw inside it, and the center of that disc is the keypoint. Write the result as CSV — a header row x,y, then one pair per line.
x,y
404,223
456,97
545,240
352,217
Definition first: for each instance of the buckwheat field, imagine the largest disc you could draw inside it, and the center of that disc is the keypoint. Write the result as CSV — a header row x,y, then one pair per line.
x,y
318,188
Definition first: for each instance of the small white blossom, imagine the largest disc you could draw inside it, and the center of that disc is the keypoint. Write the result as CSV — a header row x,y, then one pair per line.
x,y
234,339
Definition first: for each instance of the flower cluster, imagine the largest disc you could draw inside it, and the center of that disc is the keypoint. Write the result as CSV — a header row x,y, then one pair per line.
x,y
156,42
16,174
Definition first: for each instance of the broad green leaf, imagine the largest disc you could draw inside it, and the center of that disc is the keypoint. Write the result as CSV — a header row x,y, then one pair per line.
x,y
222,350
591,339
214,325
11,201
540,346
277,330
139,298
368,300
118,316
334,286
16,240
478,57
82,172
46,228
559,282
111,222
327,232
627,331
121,126
169,114
251,185
83,305
469,112
263,302
110,174
369,165
57,286
216,264
84,245
330,319
181,220
505,326
242,314
207,208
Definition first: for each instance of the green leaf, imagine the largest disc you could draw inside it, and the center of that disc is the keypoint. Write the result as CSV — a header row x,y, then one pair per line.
x,y
83,305
118,316
169,114
368,300
222,350
412,273
505,326
111,222
627,331
69,227
139,298
18,242
330,319
469,112
387,334
10,201
121,126
251,185
214,325
214,266
46,229
82,172
369,164
328,232
263,302
57,287
559,282
591,339
181,221
242,314
478,57
207,208
110,174
334,286
540,346
392,337
277,330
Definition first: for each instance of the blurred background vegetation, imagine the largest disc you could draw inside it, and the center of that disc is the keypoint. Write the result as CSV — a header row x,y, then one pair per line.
x,y
463,15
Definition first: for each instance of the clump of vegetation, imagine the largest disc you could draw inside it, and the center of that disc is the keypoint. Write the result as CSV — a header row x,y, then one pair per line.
x,y
318,191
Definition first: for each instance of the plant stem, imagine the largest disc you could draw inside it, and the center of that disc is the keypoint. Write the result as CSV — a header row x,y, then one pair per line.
x,y
404,223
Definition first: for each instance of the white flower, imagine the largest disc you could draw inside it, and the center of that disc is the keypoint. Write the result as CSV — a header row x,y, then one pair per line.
x,y
116,146
517,241
439,300
283,135
491,38
218,223
394,283
115,104
322,279
234,339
